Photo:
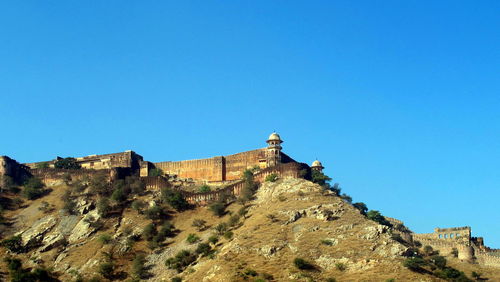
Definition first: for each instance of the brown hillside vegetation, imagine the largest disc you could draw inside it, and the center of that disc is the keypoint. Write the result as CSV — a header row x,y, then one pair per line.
x,y
290,222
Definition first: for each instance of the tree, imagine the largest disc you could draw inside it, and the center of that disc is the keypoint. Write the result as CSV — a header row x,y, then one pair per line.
x,y
414,264
119,196
149,232
439,261
320,178
361,207
67,163
271,177
174,199
377,217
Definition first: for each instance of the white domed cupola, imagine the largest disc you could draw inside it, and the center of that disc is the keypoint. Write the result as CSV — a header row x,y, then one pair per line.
x,y
316,165
273,152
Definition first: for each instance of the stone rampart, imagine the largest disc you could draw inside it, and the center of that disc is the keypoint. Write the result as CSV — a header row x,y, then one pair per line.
x,y
290,170
155,182
488,259
207,169
48,175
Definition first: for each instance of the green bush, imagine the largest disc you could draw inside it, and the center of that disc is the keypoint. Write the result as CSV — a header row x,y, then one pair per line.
x,y
361,207
213,239
138,205
105,238
218,208
149,232
377,217
250,272
174,199
33,188
221,228
119,196
167,230
271,177
176,279
452,274
203,249
199,224
67,163
302,264
228,235
204,189
181,260
340,266
106,269
154,213
155,172
138,266
192,238
14,244
233,220
439,261
327,242
103,207
414,264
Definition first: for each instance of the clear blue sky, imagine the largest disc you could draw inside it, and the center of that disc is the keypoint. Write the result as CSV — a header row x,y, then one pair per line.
x,y
400,100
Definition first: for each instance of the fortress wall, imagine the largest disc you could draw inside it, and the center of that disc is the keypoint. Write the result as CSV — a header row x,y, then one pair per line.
x,y
237,163
290,170
211,169
394,221
155,182
487,259
10,167
48,175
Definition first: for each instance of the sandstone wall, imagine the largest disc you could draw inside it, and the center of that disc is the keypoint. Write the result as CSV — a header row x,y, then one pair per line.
x,y
10,167
237,163
49,175
211,169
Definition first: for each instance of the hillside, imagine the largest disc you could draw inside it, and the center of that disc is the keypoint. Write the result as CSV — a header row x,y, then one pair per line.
x,y
288,219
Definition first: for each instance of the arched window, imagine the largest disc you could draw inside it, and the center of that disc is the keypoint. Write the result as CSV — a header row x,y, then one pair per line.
x,y
451,235
446,236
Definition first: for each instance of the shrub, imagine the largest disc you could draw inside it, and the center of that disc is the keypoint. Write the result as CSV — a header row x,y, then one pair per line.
x,y
346,198
327,242
99,185
167,230
200,224
174,199
155,172
213,239
250,272
67,163
204,189
340,266
377,217
302,264
361,207
271,177
33,188
439,261
181,260
138,267
452,274
203,249
221,228
218,208
476,275
228,235
14,244
454,252
103,207
149,232
105,238
42,165
428,250
70,206
331,280
233,220
414,264
176,279
106,269
119,195
138,205
192,238
154,213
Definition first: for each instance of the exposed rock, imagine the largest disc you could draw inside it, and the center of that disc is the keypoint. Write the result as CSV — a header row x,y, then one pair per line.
x,y
83,228
34,235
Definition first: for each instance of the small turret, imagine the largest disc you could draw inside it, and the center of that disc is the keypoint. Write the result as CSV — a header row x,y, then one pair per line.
x,y
273,153
316,165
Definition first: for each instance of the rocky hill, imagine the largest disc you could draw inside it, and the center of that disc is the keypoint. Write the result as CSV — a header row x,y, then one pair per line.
x,y
292,230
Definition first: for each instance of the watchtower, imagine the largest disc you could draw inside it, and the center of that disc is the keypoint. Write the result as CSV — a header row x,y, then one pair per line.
x,y
273,152
316,165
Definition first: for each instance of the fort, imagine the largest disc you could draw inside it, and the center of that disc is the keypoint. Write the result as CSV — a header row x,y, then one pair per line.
x,y
227,171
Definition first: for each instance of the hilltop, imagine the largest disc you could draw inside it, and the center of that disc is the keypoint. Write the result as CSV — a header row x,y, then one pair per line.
x,y
286,220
